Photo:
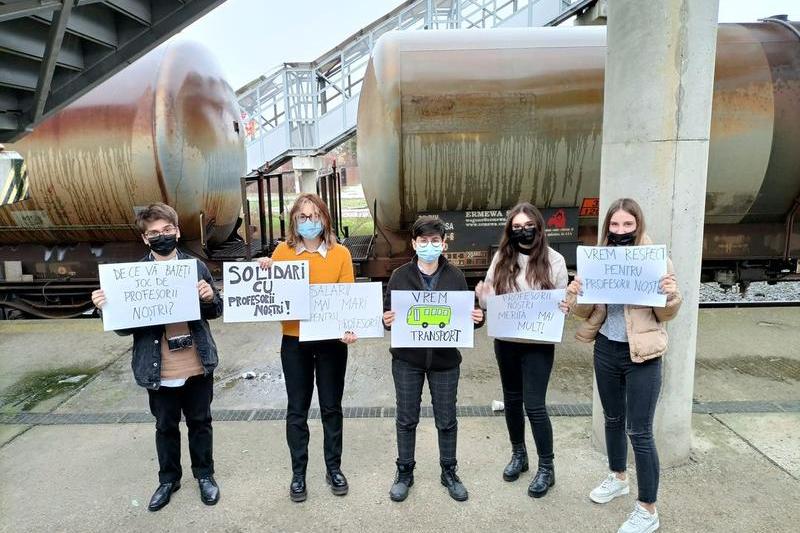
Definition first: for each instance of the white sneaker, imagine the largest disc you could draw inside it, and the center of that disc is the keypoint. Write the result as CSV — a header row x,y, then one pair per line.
x,y
610,488
640,521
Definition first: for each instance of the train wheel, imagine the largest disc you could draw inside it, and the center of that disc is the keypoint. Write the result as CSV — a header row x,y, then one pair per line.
x,y
442,324
424,324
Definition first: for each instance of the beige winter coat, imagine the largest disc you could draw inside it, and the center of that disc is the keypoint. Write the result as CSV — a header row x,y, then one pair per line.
x,y
647,335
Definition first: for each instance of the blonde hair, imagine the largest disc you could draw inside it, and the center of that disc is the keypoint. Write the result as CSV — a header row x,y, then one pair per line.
x,y
293,238
630,206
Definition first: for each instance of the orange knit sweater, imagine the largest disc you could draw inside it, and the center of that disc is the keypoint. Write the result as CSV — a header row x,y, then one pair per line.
x,y
335,267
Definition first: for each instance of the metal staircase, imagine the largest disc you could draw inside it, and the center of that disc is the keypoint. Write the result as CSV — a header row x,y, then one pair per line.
x,y
304,109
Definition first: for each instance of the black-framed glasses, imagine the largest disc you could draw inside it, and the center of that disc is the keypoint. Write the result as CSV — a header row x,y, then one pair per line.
x,y
166,230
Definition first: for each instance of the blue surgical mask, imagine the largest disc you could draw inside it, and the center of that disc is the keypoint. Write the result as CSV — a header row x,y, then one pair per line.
x,y
309,229
429,253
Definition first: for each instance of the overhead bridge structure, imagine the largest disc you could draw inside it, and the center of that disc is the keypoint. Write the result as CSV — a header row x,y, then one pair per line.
x,y
305,109
53,51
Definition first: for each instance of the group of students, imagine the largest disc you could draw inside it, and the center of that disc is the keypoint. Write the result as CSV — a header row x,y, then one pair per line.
x,y
628,342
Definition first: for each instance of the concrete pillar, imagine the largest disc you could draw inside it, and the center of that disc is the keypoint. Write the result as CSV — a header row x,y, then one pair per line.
x,y
305,172
656,120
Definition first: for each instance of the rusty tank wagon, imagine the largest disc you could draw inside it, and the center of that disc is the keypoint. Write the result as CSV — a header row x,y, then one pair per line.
x,y
164,129
465,124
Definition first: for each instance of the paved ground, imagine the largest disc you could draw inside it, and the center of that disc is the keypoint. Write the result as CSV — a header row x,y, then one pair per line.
x,y
61,476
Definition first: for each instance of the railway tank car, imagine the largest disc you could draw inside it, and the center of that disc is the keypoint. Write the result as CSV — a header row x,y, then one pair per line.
x,y
468,123
164,129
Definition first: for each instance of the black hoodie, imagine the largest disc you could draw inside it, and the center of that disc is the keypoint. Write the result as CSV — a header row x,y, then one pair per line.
x,y
409,278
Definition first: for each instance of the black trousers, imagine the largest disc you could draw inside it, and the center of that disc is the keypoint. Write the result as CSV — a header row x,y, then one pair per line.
x,y
629,392
525,373
194,400
301,361
443,384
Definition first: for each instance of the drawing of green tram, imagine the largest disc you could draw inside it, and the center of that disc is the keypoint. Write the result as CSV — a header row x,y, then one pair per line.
x,y
424,315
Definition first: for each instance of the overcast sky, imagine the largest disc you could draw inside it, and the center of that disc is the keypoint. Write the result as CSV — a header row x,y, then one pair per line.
x,y
251,37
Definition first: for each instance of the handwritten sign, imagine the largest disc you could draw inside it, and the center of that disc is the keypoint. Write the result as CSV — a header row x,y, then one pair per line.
x,y
149,293
340,307
255,294
532,315
430,319
622,274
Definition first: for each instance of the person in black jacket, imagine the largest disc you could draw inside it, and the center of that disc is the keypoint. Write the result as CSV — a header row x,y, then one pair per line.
x,y
427,270
178,377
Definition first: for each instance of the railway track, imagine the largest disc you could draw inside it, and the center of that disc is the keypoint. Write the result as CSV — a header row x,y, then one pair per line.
x,y
750,304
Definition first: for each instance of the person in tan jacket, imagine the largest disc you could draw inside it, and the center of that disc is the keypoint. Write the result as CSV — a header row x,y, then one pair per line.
x,y
629,342
525,262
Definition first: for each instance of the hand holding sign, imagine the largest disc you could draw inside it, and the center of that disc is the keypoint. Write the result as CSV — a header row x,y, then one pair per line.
x,y
622,275
428,319
532,315
148,293
258,293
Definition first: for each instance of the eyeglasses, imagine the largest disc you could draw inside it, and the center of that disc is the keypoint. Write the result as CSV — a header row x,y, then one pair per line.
x,y
435,241
305,218
528,225
166,230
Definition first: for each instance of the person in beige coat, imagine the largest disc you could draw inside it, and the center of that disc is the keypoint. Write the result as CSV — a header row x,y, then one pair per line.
x,y
629,341
524,262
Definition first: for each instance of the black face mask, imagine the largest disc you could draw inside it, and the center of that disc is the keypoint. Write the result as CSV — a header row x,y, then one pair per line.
x,y
163,245
522,236
621,239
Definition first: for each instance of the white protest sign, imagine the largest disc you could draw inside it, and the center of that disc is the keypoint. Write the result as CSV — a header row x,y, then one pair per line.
x,y
532,315
432,319
340,307
622,274
149,293
255,294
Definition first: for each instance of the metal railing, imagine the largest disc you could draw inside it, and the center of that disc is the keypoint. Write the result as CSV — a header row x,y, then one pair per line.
x,y
304,109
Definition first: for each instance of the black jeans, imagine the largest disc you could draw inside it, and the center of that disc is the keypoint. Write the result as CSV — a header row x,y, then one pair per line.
x,y
524,373
301,361
629,392
443,385
166,403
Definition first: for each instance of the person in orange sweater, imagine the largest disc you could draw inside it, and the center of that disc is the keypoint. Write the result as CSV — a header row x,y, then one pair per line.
x,y
311,238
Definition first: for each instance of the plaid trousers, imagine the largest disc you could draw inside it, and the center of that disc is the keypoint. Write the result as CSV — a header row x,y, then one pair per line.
x,y
443,385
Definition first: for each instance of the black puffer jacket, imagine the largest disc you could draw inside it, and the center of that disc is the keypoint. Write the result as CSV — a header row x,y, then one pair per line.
x,y
409,278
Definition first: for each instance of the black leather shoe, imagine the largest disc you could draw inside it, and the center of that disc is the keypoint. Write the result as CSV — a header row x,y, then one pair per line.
x,y
403,480
454,486
162,495
544,479
209,490
337,481
297,489
518,463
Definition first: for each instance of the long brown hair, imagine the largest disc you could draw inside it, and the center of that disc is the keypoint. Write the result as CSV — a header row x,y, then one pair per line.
x,y
630,206
293,238
538,268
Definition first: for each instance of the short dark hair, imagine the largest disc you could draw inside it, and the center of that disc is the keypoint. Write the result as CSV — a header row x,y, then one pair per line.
x,y
157,211
427,225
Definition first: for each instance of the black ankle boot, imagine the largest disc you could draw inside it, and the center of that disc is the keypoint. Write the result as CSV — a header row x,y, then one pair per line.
x,y
403,480
454,486
518,463
297,488
544,479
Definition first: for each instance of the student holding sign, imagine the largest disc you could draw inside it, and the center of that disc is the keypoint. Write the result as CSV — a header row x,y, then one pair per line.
x,y
311,238
175,363
524,262
428,270
628,343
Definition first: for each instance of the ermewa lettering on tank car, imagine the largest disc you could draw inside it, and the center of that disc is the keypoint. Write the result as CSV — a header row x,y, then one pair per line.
x,y
475,120
164,129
